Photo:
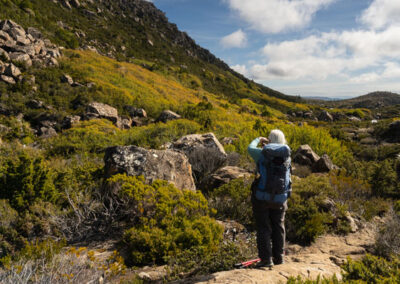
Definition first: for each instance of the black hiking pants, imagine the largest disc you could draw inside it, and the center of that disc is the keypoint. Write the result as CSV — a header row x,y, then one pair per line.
x,y
270,224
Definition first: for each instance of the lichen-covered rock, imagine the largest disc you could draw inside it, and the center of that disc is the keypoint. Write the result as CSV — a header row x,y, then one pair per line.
x,y
166,165
205,153
103,111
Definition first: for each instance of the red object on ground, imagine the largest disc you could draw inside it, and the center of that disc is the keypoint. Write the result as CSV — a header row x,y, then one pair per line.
x,y
247,263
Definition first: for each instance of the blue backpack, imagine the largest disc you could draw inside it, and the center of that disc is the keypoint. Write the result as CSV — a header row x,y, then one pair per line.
x,y
274,166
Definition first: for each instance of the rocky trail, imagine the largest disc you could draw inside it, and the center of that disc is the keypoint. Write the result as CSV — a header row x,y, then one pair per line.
x,y
322,259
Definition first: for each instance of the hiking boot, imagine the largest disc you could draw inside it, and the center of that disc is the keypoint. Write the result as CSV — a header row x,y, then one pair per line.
x,y
264,263
278,261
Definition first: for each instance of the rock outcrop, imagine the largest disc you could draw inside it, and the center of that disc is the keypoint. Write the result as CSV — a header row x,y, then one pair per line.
x,y
205,153
26,47
166,165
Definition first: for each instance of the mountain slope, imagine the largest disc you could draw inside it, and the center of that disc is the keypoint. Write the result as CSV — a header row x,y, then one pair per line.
x,y
129,30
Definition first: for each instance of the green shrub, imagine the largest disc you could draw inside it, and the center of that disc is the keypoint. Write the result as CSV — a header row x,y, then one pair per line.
x,y
193,262
372,269
232,201
26,179
384,180
397,207
166,221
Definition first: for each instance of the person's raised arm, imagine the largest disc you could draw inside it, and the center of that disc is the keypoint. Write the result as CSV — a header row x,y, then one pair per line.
x,y
253,150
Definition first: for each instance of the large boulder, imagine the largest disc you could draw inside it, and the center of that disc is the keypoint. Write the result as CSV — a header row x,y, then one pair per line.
x,y
166,165
225,175
103,111
305,156
323,165
205,153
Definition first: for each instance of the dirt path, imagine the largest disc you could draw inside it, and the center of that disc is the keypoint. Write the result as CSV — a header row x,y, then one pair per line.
x,y
322,258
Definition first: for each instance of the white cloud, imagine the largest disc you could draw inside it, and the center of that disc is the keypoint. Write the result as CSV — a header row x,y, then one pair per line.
x,y
274,16
242,69
320,56
236,39
382,13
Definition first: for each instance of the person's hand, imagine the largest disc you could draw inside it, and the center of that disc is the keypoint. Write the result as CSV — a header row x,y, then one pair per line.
x,y
263,141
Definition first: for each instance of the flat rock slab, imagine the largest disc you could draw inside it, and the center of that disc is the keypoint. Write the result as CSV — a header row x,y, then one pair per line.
x,y
322,259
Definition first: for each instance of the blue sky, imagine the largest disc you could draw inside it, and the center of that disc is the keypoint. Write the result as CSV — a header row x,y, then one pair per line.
x,y
333,48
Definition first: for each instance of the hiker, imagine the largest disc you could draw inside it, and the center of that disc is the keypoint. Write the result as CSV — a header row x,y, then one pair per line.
x,y
270,191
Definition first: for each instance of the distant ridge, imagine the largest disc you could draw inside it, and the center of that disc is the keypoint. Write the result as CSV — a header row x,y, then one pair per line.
x,y
316,98
372,100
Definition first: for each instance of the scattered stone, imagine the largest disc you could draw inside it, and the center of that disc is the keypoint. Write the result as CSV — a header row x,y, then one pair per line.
x,y
29,79
352,222
90,85
325,116
323,165
137,122
305,156
103,111
136,112
21,57
226,175
167,165
66,4
35,104
76,84
3,130
70,120
125,123
7,79
308,115
168,115
369,141
47,132
205,152
328,205
4,54
34,32
75,3
228,140
4,36
12,71
354,119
